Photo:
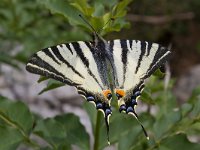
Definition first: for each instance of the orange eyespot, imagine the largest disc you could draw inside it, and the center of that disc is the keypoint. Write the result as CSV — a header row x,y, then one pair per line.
x,y
106,93
120,92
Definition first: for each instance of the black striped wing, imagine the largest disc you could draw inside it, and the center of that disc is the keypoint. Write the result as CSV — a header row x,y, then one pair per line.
x,y
71,63
136,60
80,64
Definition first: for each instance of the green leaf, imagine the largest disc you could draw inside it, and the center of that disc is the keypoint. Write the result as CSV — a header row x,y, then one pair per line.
x,y
10,138
131,133
83,7
121,125
42,78
166,102
75,131
195,95
99,9
66,9
97,23
186,108
16,114
92,113
166,122
129,139
64,146
146,96
52,84
154,80
120,9
72,9
179,141
196,109
51,131
158,73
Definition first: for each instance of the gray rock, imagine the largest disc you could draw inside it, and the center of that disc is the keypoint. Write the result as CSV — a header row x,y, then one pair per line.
x,y
187,83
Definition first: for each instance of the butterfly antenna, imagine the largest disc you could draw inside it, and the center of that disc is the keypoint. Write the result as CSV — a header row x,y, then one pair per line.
x,y
143,129
87,23
111,19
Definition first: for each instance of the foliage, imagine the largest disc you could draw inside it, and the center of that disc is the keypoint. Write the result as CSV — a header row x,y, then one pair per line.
x,y
168,128
17,124
29,27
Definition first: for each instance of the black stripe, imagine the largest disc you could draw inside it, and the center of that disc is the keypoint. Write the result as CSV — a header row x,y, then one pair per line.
x,y
84,59
99,54
149,48
143,50
141,86
81,92
55,50
124,57
48,53
111,44
80,54
87,93
81,89
131,43
159,53
36,60
69,48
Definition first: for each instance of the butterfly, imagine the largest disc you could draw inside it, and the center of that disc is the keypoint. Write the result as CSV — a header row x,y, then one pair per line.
x,y
99,68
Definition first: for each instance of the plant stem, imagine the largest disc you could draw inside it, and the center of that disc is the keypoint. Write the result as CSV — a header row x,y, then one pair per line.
x,y
97,130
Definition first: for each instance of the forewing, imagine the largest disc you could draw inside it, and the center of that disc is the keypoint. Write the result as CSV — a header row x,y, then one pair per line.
x,y
70,63
136,60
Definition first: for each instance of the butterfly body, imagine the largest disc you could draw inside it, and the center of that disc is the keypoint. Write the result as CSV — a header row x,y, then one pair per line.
x,y
101,68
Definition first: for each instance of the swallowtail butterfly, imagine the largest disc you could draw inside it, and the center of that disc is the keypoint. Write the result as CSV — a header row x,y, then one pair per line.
x,y
88,66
